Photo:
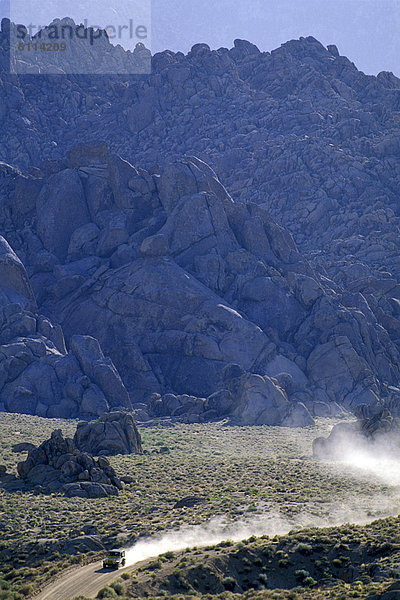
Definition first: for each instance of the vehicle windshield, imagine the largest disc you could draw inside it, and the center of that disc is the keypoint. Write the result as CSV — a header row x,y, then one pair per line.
x,y
115,553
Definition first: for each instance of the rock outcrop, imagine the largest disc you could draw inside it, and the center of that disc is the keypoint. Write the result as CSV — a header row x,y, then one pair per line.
x,y
113,433
23,447
299,130
58,466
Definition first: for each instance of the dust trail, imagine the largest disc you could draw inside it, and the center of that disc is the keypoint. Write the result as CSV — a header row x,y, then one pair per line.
x,y
373,462
270,522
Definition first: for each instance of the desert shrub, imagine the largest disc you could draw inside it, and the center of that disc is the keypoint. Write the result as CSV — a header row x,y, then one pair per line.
x,y
117,587
263,579
309,582
229,583
107,592
305,549
283,563
337,563
326,573
225,544
26,589
301,574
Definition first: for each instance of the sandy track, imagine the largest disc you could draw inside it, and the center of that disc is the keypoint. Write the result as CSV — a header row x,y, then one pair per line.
x,y
82,581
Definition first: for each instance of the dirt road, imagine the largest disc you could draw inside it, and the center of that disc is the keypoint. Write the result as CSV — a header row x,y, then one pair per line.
x,y
82,581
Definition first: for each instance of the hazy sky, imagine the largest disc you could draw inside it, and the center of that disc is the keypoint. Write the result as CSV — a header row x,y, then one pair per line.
x,y
367,31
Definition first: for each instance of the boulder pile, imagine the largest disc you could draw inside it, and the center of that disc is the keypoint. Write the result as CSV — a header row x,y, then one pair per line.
x,y
58,466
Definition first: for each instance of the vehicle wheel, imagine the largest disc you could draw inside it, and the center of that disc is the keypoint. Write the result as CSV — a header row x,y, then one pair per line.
x,y
123,562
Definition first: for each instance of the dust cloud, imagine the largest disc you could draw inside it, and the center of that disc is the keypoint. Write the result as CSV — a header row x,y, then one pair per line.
x,y
378,461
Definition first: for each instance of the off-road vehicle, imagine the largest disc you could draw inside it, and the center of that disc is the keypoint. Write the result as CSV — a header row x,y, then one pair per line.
x,y
114,559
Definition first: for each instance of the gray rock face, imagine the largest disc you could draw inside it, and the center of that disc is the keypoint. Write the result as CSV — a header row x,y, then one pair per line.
x,y
140,115
203,332
336,367
211,281
57,466
154,245
38,375
61,209
113,433
260,401
81,55
298,416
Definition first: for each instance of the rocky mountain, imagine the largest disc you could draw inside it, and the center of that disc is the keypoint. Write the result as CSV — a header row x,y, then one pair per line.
x,y
242,218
